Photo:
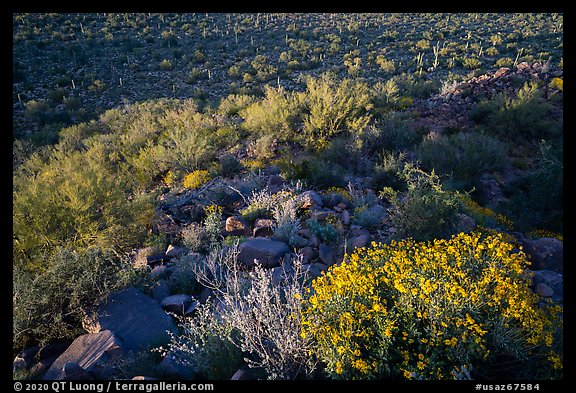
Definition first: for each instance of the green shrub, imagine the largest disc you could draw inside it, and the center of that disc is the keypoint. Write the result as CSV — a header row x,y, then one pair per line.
x,y
50,305
206,344
315,172
274,115
425,210
326,231
519,119
228,165
460,308
334,107
463,156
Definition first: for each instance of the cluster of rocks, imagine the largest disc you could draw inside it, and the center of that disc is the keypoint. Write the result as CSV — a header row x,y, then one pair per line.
x,y
450,108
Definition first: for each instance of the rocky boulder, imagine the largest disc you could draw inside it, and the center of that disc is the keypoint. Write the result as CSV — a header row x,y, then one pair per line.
x,y
136,318
310,198
90,352
545,253
237,226
269,253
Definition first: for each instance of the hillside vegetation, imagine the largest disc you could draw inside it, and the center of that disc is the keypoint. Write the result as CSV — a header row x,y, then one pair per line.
x,y
340,196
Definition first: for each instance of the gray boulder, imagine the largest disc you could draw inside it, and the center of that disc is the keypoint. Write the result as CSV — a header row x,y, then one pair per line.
x,y
310,198
327,255
89,351
137,319
545,253
269,253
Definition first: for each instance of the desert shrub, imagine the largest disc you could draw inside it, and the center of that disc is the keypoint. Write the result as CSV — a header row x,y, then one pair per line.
x,y
462,156
206,344
273,115
264,148
326,230
369,216
194,237
386,170
213,225
228,165
536,200
525,117
260,318
334,107
75,200
445,309
234,103
471,63
425,210
195,180
50,305
394,131
165,65
261,204
313,171
287,223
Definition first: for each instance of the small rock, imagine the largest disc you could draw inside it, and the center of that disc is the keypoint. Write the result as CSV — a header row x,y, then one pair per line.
x,y
345,215
263,227
501,72
143,378
308,254
314,270
545,253
544,290
176,303
175,369
19,364
310,198
358,242
342,205
237,226
326,254
158,271
465,223
337,209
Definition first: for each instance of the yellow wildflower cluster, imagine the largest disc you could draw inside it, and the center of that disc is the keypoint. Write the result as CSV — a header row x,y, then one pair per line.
x,y
539,233
196,179
423,309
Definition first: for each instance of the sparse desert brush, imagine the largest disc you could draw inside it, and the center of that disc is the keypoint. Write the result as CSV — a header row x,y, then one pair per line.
x,y
196,179
428,310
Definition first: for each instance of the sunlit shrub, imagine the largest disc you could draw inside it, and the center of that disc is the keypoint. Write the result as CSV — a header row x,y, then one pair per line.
x,y
196,179
434,310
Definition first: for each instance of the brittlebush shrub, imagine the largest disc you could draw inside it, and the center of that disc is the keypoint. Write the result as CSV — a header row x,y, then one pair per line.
x,y
195,180
434,310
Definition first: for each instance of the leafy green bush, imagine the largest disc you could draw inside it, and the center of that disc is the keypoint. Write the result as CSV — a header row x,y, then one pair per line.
x,y
326,230
50,305
524,117
334,107
274,115
463,156
425,210
314,172
447,309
